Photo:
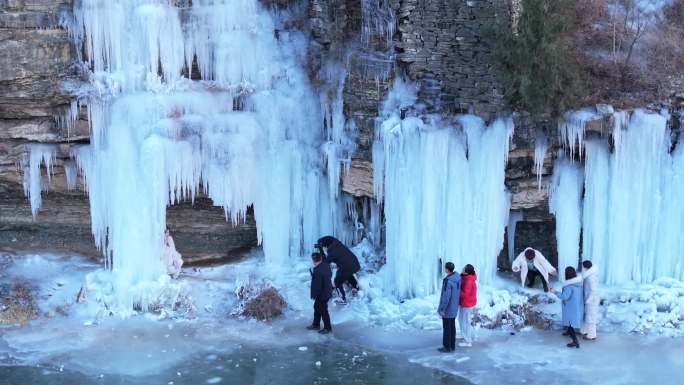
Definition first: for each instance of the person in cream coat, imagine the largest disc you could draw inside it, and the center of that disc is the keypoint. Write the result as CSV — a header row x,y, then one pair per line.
x,y
532,264
592,301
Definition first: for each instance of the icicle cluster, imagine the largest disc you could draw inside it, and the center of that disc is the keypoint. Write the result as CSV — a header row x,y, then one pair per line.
x,y
442,182
249,133
633,205
571,130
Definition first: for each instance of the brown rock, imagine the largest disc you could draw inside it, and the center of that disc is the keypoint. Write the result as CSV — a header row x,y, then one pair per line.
x,y
359,180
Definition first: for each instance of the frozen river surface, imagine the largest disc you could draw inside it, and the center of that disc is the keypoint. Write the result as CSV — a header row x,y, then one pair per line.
x,y
214,347
333,362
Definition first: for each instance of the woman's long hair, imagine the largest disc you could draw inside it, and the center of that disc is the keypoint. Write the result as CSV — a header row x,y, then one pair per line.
x,y
570,273
469,270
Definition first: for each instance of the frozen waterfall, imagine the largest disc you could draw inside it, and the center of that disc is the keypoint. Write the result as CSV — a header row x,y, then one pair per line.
x,y
442,182
248,133
634,215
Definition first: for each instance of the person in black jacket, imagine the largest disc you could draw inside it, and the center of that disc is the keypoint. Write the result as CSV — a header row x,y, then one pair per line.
x,y
346,261
321,291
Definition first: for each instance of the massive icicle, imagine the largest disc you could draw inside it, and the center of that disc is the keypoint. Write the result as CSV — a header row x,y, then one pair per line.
x,y
248,134
565,202
444,194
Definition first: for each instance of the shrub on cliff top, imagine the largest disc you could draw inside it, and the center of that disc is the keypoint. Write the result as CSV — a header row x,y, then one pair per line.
x,y
536,57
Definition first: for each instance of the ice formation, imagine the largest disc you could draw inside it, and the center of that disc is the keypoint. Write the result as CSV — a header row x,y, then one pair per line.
x,y
571,130
633,207
37,155
541,146
565,203
249,133
442,184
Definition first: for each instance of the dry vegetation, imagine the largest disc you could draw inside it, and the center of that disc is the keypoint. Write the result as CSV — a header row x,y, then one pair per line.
x,y
570,53
17,305
632,51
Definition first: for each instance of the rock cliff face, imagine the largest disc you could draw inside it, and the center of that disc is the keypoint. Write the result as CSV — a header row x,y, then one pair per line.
x,y
436,43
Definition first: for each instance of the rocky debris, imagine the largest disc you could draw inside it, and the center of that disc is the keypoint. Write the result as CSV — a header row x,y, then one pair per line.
x,y
260,301
519,315
17,305
266,305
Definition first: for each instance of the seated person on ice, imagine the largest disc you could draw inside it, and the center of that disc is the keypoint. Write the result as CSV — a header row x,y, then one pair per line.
x,y
347,264
532,264
171,258
321,291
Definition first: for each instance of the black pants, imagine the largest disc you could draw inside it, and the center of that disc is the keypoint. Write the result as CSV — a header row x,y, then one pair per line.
x,y
321,311
573,335
532,277
340,278
449,333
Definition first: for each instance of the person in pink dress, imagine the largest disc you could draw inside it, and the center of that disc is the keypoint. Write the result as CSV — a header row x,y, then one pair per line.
x,y
172,259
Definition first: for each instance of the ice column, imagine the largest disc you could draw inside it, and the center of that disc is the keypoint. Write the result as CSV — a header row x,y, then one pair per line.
x,y
444,195
565,203
635,222
596,204
541,145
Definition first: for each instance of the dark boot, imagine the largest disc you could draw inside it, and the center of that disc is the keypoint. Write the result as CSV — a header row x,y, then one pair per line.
x,y
575,342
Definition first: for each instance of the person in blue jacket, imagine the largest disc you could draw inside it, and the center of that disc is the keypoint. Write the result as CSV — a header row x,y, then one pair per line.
x,y
449,301
572,300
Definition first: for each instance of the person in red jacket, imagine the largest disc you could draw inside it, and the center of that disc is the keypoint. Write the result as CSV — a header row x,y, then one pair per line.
x,y
467,305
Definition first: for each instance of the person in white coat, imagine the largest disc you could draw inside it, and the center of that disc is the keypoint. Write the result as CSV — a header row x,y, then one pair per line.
x,y
592,300
532,264
172,259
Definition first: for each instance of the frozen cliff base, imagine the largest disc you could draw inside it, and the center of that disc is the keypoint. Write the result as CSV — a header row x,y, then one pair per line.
x,y
73,336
